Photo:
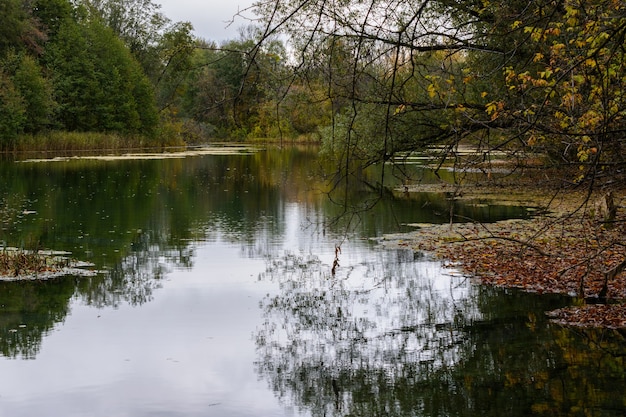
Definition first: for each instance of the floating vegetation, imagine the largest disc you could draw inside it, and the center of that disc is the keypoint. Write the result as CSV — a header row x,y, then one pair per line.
x,y
200,151
17,264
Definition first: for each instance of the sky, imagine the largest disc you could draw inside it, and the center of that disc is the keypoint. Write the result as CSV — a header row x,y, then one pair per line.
x,y
209,17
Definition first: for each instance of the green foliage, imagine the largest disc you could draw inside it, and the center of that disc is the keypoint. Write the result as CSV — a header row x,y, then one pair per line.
x,y
138,23
12,111
14,24
98,84
242,90
306,111
36,92
218,94
51,14
164,49
175,50
62,69
122,66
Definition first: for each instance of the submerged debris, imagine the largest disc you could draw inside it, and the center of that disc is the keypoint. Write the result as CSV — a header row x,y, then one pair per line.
x,y
610,316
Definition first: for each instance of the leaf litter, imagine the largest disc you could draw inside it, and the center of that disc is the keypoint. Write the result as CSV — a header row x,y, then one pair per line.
x,y
556,252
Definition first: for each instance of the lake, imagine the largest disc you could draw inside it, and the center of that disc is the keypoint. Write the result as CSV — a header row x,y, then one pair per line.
x,y
229,284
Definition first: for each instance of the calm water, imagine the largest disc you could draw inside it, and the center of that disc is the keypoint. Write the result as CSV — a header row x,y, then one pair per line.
x,y
216,298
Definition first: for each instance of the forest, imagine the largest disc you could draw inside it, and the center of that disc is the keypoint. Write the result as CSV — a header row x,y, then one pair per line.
x,y
487,99
542,81
75,73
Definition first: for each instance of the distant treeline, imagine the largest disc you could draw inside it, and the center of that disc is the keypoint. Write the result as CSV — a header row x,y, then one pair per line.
x,y
91,73
371,81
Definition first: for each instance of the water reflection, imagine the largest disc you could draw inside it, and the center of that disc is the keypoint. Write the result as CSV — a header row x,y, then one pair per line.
x,y
338,345
191,247
322,331
396,337
28,311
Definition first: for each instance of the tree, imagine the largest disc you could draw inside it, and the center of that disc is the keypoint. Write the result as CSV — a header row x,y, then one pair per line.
x,y
51,14
175,51
12,111
162,47
98,83
207,98
574,93
24,91
225,89
139,23
541,78
18,29
499,76
13,23
36,91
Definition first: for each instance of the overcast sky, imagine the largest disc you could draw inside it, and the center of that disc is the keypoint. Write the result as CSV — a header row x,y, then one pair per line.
x,y
208,17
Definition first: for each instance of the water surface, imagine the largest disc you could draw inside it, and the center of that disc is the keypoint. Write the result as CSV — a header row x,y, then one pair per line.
x,y
216,297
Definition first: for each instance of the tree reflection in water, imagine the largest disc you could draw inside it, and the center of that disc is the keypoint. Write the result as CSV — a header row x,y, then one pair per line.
x,y
400,337
31,309
352,343
136,276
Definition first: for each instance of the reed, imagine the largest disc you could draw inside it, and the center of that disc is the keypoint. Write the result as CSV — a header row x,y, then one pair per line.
x,y
58,141
76,141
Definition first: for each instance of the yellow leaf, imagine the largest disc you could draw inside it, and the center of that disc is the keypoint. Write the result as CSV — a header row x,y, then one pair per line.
x,y
432,92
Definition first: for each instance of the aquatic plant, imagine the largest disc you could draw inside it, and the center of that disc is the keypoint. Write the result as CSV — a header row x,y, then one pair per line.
x,y
24,264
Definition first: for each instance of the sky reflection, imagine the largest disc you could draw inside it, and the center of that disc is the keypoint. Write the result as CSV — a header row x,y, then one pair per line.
x,y
187,352
224,304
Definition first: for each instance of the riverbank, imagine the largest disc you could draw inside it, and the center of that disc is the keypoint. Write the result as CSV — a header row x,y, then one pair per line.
x,y
566,248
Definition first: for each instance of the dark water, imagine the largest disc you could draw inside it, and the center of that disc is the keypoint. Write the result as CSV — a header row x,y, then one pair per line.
x,y
216,298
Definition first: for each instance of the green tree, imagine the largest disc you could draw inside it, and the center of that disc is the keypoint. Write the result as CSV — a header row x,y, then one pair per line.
x,y
139,23
12,111
98,83
218,94
207,96
13,24
36,92
68,58
175,50
18,29
163,48
236,89
51,14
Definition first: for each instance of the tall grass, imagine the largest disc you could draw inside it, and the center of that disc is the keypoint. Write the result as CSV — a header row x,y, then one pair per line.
x,y
71,141
57,141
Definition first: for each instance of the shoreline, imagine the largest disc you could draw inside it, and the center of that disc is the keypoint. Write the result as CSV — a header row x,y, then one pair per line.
x,y
564,249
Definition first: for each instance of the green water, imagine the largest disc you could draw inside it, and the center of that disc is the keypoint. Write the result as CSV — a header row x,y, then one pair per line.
x,y
215,297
